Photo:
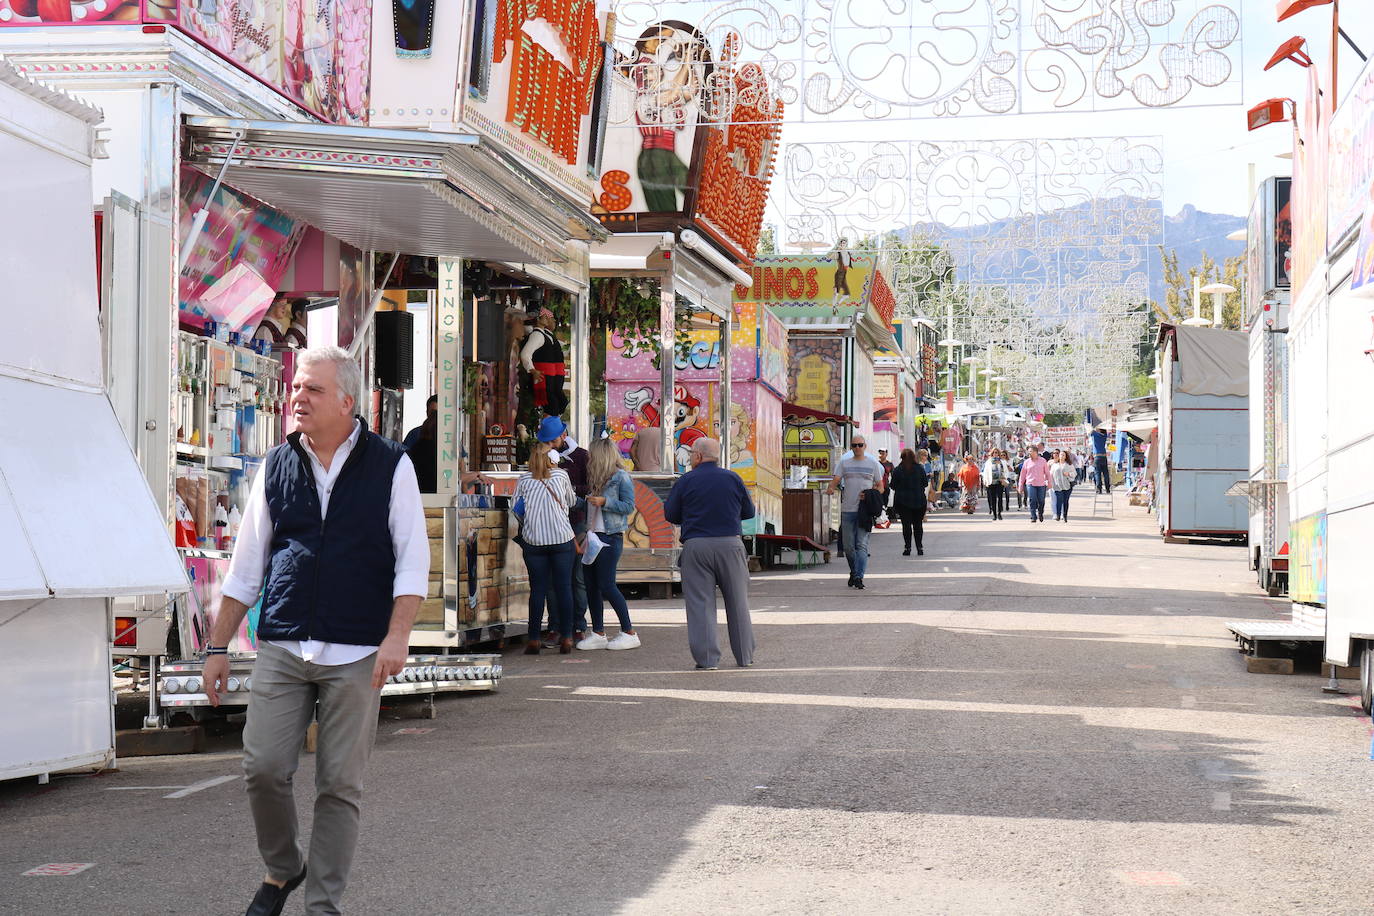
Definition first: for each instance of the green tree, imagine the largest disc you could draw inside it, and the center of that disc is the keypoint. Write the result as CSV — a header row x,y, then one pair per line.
x,y
1178,288
768,241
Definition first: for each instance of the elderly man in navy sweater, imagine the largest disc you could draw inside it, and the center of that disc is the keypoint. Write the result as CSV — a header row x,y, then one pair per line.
x,y
708,503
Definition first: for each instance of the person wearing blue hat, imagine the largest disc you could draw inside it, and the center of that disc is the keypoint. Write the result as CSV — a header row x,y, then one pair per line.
x,y
573,459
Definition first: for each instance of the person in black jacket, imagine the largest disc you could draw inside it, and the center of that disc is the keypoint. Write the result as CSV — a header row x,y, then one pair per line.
x,y
909,485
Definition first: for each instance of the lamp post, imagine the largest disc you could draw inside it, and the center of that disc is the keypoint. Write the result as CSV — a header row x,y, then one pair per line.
x,y
949,343
1218,292
1197,321
971,362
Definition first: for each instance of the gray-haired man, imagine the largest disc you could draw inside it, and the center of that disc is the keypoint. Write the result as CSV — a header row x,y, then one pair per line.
x,y
708,503
335,527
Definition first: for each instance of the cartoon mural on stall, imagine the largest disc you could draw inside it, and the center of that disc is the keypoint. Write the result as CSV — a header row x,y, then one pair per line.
x,y
316,52
758,364
1307,577
691,137
658,97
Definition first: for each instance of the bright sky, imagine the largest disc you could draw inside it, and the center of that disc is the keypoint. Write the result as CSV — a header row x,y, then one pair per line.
x,y
1207,150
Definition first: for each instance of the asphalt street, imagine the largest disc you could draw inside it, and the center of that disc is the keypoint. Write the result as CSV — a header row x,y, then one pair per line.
x,y
1045,718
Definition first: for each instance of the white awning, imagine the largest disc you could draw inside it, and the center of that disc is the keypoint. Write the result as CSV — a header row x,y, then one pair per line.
x,y
420,193
76,516
631,251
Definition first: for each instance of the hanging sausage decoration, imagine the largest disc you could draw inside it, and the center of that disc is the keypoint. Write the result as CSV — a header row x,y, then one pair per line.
x,y
414,27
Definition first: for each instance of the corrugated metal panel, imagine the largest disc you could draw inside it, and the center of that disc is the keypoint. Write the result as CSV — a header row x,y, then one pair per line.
x,y
445,195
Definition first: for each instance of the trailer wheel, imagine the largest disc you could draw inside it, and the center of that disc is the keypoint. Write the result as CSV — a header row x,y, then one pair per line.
x,y
1367,678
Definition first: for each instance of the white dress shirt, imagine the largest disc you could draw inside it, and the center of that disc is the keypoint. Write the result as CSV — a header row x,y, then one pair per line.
x,y
409,540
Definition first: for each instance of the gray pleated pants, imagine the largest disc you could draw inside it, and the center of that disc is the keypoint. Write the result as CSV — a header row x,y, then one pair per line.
x,y
285,691
708,563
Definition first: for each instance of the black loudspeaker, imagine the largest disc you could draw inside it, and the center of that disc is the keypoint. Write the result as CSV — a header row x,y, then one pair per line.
x,y
484,324
395,339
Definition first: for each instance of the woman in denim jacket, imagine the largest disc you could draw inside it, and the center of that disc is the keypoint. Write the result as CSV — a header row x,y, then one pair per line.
x,y
611,500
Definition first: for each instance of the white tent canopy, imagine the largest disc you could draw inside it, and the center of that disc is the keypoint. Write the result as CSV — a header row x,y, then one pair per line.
x,y
76,516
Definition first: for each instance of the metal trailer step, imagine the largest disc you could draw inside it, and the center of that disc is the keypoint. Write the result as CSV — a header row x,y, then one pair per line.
x,y
180,685
1261,637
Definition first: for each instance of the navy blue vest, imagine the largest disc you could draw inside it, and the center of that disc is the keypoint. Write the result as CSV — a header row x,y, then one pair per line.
x,y
330,578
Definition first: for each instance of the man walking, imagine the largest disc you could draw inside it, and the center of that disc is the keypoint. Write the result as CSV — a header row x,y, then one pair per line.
x,y
857,472
1034,481
335,527
707,504
1100,467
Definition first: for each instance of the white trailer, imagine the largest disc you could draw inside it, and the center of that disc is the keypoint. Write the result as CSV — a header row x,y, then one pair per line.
x,y
78,524
1349,457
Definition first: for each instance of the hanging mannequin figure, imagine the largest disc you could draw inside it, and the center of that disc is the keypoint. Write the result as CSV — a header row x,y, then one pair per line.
x,y
542,357
844,259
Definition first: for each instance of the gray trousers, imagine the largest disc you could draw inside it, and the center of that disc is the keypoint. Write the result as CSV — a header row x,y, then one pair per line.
x,y
708,563
280,707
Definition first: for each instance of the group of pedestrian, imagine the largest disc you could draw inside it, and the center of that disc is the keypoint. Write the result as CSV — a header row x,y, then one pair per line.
x,y
1034,477
334,546
1040,477
573,507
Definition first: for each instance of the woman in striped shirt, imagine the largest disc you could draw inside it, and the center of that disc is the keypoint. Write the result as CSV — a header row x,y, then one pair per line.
x,y
548,497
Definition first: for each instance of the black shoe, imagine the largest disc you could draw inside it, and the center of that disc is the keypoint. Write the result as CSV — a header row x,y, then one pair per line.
x,y
859,583
907,552
270,899
920,551
851,580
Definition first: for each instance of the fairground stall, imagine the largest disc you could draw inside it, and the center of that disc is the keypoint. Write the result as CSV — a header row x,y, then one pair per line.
x,y
812,442
904,385
1203,432
78,527
685,164
758,366
838,310
239,225
1332,334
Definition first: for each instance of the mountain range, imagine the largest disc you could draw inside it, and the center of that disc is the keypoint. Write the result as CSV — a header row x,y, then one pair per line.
x,y
1140,224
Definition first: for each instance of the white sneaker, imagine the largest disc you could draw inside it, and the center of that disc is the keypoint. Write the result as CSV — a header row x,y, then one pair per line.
x,y
624,641
593,640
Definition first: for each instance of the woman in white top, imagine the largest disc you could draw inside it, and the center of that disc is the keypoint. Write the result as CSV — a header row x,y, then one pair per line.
x,y
996,476
545,493
1062,477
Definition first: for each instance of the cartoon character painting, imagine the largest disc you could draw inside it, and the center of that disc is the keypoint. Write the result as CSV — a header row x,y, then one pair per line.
x,y
688,425
741,436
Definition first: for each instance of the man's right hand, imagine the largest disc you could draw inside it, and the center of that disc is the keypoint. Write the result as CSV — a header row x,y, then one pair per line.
x,y
215,676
